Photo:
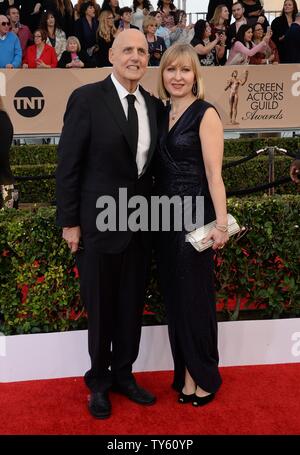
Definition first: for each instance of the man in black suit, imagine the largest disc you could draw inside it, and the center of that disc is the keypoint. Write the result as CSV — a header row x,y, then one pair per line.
x,y
107,142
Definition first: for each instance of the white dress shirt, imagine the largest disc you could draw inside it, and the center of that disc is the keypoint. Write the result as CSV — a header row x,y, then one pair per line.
x,y
144,139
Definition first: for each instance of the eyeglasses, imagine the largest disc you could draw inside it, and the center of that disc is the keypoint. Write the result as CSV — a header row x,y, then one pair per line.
x,y
5,24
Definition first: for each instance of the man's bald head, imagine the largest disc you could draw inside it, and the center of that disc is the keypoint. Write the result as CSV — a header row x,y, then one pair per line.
x,y
131,35
129,57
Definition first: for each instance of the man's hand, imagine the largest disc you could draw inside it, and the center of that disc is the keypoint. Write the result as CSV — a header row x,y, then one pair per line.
x,y
72,236
295,171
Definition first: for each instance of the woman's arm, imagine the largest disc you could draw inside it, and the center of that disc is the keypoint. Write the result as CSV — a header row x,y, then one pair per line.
x,y
204,50
239,47
212,142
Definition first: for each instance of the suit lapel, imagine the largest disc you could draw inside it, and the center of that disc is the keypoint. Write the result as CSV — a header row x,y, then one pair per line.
x,y
113,103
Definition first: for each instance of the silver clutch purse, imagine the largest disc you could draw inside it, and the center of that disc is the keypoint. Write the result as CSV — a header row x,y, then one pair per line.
x,y
195,237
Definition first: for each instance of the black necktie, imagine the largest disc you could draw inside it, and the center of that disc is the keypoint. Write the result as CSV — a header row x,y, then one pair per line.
x,y
133,121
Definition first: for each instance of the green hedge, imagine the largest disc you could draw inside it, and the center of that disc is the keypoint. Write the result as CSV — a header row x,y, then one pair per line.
x,y
41,154
249,174
39,290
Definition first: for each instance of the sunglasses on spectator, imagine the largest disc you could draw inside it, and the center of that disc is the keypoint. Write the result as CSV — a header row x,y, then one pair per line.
x,y
5,23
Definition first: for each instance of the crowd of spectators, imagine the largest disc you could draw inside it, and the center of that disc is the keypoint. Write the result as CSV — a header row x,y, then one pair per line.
x,y
54,33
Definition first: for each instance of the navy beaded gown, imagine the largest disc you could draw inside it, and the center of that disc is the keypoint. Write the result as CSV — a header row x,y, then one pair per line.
x,y
187,276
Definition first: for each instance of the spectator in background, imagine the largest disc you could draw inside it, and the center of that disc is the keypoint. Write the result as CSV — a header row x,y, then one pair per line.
x,y
161,31
22,31
254,12
106,34
140,8
212,5
219,25
269,54
292,39
281,25
10,47
40,55
156,45
167,9
5,4
78,5
238,14
185,32
31,12
113,7
63,12
55,36
86,29
244,48
126,19
209,52
8,194
73,56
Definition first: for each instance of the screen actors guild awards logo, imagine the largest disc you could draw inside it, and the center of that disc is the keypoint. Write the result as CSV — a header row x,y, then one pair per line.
x,y
233,84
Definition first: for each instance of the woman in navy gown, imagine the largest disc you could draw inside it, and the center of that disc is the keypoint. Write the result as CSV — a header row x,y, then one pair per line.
x,y
189,163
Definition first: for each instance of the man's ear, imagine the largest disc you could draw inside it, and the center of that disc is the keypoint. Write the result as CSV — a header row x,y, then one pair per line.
x,y
111,55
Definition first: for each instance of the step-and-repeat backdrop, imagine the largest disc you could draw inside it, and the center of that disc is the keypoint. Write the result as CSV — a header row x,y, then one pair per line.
x,y
247,97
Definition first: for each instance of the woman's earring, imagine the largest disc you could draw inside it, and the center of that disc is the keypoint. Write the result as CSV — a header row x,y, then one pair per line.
x,y
195,89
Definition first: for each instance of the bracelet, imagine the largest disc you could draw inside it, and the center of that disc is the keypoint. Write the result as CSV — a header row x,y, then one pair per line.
x,y
222,227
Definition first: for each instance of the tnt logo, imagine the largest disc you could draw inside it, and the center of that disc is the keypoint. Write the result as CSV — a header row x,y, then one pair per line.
x,y
29,102
2,345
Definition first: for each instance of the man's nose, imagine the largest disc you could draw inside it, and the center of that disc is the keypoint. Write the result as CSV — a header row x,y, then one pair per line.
x,y
135,54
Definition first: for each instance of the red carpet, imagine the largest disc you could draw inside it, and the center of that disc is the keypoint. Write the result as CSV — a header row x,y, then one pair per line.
x,y
252,400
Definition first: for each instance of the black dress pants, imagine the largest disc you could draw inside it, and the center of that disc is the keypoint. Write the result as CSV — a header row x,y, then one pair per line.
x,y
113,291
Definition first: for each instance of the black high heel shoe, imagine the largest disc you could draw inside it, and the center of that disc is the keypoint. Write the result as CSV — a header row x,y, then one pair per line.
x,y
201,401
183,398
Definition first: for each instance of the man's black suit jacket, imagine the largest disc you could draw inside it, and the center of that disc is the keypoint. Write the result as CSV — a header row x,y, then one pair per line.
x,y
96,158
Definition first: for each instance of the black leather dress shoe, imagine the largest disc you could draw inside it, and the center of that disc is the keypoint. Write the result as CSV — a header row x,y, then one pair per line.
x,y
99,405
135,393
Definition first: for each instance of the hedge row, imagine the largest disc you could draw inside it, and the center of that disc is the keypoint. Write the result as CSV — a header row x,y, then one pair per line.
x,y
39,290
42,154
249,174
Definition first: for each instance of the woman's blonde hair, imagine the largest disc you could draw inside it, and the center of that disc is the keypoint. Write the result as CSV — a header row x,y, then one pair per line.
x,y
107,33
180,54
149,20
76,40
215,20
